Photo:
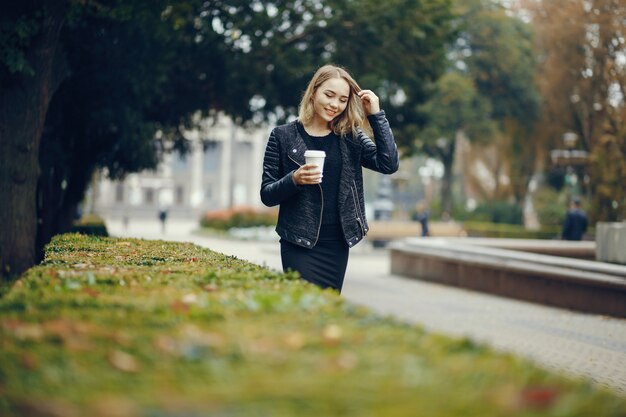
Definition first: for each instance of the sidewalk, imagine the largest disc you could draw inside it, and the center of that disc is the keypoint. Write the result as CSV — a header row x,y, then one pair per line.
x,y
578,344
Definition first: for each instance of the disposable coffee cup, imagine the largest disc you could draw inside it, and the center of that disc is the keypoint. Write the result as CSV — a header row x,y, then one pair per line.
x,y
315,158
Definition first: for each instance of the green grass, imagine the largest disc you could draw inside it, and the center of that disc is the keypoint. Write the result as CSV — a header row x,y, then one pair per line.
x,y
150,328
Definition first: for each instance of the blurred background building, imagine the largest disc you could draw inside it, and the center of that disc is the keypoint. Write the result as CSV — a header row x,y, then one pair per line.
x,y
222,169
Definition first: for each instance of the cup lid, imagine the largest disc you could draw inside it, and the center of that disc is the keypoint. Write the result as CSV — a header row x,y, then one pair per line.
x,y
315,153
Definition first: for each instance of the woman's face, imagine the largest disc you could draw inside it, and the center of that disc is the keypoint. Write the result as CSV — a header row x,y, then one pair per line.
x,y
331,99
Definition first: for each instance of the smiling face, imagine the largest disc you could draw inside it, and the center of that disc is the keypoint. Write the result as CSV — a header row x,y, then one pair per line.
x,y
330,99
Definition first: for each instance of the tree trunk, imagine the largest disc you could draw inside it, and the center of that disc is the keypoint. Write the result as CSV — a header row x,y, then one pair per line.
x,y
446,189
23,105
447,158
58,202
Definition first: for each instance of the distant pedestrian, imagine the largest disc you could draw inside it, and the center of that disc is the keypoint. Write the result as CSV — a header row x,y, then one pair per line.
x,y
575,223
163,219
421,216
319,221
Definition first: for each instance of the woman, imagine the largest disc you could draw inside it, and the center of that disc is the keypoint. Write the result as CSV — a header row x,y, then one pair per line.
x,y
319,220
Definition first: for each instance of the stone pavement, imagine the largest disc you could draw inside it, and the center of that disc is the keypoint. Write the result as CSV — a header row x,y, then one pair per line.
x,y
589,346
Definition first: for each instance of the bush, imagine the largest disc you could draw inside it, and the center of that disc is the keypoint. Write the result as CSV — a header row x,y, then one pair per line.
x,y
151,328
498,212
90,224
238,217
550,206
514,231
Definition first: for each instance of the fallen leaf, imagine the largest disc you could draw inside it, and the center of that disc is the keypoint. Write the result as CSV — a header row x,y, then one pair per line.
x,y
110,406
539,397
261,346
166,344
29,331
29,361
332,334
190,298
61,328
76,343
90,291
347,360
123,361
295,341
192,333
179,307
122,338
46,408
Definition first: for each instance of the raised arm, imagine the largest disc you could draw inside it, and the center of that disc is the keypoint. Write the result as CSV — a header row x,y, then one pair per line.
x,y
381,155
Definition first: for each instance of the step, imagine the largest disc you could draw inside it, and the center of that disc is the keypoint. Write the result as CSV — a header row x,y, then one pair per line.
x,y
588,286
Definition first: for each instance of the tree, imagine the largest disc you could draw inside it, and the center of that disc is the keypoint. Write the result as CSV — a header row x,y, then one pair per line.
x,y
132,71
582,80
397,50
128,69
109,71
32,72
501,61
494,51
455,110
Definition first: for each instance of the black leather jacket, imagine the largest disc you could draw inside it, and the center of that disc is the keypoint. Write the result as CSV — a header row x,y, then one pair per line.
x,y
300,214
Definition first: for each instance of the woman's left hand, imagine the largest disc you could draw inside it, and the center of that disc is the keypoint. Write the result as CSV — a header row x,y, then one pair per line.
x,y
370,101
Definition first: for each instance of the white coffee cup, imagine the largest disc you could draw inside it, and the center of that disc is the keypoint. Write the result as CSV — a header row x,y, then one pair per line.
x,y
315,158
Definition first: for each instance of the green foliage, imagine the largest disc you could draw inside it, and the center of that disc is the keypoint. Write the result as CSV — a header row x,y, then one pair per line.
x,y
551,206
238,217
131,327
513,231
501,60
136,70
488,93
123,79
396,51
90,224
16,33
455,105
578,75
500,212
608,170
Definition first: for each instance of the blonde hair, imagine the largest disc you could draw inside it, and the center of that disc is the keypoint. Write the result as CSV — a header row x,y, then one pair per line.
x,y
351,119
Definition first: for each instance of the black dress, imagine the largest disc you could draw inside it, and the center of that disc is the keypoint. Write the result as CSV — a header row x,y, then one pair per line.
x,y
325,264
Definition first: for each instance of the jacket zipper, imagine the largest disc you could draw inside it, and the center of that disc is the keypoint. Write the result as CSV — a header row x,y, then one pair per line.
x,y
359,208
319,227
357,211
360,212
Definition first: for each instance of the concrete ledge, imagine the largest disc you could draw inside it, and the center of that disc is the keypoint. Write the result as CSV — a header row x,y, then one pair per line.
x,y
569,249
611,242
592,287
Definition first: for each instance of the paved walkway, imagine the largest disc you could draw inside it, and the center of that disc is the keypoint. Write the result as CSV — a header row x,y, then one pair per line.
x,y
584,345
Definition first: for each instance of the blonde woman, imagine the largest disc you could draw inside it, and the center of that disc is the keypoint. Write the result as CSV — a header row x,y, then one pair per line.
x,y
319,221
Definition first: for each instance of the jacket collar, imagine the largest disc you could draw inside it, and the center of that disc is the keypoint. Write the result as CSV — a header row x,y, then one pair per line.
x,y
297,147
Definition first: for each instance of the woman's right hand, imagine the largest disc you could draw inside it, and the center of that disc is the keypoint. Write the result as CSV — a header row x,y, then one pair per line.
x,y
307,174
